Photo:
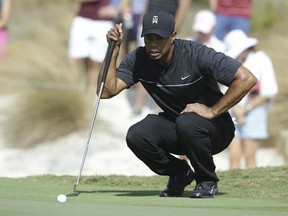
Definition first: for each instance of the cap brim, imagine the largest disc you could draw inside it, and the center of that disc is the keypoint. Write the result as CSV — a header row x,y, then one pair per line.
x,y
202,28
160,32
239,48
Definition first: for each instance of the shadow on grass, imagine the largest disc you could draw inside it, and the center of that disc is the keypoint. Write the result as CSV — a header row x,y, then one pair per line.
x,y
132,193
138,193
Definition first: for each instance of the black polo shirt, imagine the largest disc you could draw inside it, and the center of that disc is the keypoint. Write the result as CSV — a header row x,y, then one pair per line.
x,y
192,76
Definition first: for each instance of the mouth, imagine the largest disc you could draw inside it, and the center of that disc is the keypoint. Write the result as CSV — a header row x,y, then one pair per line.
x,y
154,53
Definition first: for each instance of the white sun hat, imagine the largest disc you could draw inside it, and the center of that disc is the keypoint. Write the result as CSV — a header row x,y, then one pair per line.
x,y
204,21
236,41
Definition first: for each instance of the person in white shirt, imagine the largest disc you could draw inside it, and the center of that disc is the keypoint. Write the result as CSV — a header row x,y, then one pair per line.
x,y
204,27
251,113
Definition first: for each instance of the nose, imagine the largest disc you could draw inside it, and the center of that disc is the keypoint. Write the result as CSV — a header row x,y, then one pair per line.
x,y
154,43
152,38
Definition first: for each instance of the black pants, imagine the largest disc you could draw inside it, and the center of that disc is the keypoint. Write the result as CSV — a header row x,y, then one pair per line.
x,y
154,138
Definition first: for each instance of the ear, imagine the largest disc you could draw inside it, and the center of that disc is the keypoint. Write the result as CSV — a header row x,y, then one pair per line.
x,y
174,35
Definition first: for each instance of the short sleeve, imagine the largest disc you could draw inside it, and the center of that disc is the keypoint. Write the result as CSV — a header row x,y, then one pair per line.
x,y
126,68
217,65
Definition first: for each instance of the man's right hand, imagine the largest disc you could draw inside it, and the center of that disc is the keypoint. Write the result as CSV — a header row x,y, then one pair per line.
x,y
115,34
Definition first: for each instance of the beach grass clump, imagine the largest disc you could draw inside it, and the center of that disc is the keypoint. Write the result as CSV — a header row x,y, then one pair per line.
x,y
40,115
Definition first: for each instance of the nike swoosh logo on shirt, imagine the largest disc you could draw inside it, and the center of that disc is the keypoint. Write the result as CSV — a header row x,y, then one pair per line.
x,y
183,78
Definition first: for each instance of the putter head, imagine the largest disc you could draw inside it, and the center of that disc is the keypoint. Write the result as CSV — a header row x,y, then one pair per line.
x,y
75,193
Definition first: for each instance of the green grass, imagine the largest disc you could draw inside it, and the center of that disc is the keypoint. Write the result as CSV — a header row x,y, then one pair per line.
x,y
261,191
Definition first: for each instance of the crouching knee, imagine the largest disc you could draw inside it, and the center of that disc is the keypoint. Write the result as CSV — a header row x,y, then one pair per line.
x,y
133,137
187,123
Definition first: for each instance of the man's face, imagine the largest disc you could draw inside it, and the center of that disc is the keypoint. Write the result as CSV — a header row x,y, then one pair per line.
x,y
158,47
202,37
242,57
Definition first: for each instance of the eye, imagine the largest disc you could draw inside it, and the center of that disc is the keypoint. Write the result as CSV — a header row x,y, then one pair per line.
x,y
149,37
158,37
154,37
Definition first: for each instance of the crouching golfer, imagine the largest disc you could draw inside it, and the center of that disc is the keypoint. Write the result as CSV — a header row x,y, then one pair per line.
x,y
182,77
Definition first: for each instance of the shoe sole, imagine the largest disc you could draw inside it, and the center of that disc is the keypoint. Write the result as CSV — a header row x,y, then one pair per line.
x,y
199,195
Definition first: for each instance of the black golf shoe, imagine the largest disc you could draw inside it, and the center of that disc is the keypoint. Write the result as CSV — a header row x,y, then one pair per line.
x,y
177,184
205,189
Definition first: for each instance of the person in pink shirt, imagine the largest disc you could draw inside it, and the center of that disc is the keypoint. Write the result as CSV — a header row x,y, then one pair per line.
x,y
5,13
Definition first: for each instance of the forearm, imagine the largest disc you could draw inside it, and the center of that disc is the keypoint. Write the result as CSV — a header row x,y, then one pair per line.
x,y
5,14
213,5
243,81
124,5
110,87
83,1
257,101
3,24
183,7
113,85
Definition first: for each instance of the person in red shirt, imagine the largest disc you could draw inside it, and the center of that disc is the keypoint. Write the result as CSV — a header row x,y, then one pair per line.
x,y
87,41
230,15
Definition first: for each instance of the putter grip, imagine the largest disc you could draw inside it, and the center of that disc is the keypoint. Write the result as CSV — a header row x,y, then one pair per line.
x,y
107,61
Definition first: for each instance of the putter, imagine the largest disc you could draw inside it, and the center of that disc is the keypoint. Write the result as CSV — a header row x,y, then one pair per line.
x,y
97,102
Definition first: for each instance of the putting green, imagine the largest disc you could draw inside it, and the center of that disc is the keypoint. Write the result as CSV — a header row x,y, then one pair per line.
x,y
243,192
77,206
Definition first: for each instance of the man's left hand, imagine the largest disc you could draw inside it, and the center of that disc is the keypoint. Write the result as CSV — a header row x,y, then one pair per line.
x,y
200,109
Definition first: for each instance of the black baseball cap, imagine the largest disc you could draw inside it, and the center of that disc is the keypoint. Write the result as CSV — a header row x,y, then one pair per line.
x,y
158,22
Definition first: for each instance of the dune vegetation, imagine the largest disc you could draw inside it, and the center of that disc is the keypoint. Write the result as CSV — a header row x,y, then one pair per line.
x,y
50,97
